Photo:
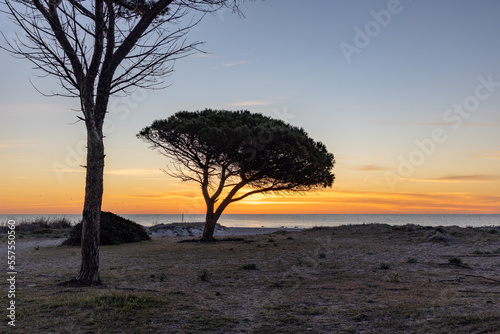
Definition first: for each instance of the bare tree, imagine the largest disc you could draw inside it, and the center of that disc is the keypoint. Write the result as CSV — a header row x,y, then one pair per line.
x,y
97,48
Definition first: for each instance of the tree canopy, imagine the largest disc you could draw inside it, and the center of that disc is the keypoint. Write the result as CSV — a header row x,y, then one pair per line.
x,y
237,154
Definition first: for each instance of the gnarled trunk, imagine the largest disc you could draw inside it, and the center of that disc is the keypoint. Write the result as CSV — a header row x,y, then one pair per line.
x,y
210,222
89,269
213,215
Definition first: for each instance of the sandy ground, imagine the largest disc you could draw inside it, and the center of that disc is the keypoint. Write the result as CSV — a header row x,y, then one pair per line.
x,y
351,279
34,244
29,244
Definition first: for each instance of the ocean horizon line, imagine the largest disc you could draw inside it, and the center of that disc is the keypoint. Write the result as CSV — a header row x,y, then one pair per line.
x,y
305,220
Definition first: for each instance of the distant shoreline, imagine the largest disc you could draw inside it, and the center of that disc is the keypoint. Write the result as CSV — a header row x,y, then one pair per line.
x,y
196,229
302,221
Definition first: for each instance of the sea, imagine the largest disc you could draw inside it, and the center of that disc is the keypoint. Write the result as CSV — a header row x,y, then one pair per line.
x,y
294,220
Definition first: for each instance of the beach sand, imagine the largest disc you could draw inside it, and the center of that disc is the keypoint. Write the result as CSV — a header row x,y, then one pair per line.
x,y
349,279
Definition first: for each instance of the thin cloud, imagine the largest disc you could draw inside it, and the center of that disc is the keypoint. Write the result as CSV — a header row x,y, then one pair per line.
x,y
69,170
260,202
436,123
167,195
408,202
463,178
370,168
249,103
114,172
236,63
204,55
346,158
155,196
133,172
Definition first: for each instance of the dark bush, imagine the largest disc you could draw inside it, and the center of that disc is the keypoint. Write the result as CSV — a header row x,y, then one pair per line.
x,y
115,230
251,266
455,260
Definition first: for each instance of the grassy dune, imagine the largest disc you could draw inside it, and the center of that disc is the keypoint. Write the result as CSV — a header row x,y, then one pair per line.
x,y
349,279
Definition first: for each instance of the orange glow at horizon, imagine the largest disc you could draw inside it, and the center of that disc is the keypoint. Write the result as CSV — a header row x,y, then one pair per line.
x,y
150,191
186,199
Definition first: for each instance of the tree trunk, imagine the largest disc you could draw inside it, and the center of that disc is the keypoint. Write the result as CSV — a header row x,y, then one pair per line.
x,y
210,222
89,270
212,217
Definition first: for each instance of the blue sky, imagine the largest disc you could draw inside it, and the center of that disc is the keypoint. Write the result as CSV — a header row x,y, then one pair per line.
x,y
285,59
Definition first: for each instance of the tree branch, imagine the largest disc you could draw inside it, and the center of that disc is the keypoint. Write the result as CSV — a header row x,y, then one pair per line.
x,y
53,19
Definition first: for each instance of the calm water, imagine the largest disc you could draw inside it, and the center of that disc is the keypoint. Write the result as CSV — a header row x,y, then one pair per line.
x,y
300,221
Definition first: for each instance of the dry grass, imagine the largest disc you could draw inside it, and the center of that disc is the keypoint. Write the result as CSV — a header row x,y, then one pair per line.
x,y
350,279
40,227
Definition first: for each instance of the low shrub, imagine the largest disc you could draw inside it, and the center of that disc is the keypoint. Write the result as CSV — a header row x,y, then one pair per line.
x,y
114,230
384,266
251,266
204,275
455,260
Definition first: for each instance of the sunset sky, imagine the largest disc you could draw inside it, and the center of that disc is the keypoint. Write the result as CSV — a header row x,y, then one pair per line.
x,y
405,94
